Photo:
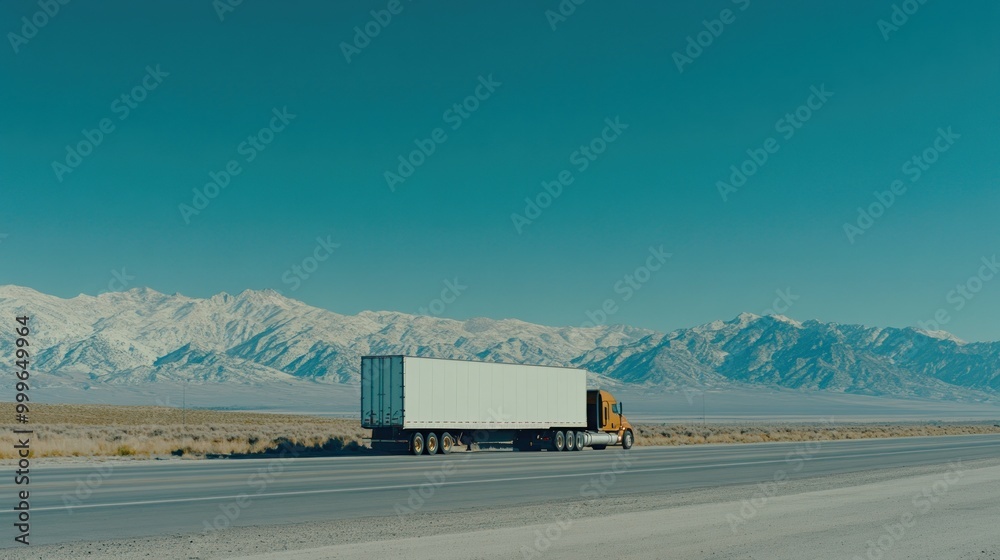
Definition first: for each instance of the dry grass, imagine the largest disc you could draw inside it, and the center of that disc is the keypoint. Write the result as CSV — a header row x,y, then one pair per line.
x,y
103,431
663,434
63,430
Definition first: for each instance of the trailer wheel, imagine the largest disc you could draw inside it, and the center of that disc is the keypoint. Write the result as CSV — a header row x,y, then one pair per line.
x,y
628,440
432,443
580,441
558,440
447,442
417,443
570,440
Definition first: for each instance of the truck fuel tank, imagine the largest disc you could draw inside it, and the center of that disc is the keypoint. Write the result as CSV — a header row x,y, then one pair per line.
x,y
591,439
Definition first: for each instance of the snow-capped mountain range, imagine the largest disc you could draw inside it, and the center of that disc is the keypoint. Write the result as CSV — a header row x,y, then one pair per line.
x,y
258,336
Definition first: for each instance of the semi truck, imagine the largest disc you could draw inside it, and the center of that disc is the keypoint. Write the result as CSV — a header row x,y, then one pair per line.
x,y
426,406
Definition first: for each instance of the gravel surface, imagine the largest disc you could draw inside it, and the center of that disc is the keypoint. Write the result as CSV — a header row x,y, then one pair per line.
x,y
934,512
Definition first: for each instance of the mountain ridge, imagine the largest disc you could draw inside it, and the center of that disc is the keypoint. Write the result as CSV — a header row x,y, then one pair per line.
x,y
142,335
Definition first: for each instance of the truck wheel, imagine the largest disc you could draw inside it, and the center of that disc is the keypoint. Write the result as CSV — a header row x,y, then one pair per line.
x,y
447,442
558,440
580,441
432,443
570,440
417,443
628,440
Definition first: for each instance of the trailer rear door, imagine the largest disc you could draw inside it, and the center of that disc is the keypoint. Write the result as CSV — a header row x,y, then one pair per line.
x,y
381,391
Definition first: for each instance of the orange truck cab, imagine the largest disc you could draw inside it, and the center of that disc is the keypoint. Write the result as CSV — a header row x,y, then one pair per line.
x,y
606,414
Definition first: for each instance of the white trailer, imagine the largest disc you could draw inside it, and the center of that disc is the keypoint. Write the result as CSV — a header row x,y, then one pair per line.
x,y
426,405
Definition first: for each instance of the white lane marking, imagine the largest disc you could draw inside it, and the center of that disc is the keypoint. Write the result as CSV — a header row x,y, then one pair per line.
x,y
486,481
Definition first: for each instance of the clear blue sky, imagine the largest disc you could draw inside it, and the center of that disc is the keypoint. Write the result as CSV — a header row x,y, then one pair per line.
x,y
655,184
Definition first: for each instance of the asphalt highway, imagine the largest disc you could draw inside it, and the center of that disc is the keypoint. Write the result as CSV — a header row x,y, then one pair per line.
x,y
155,498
